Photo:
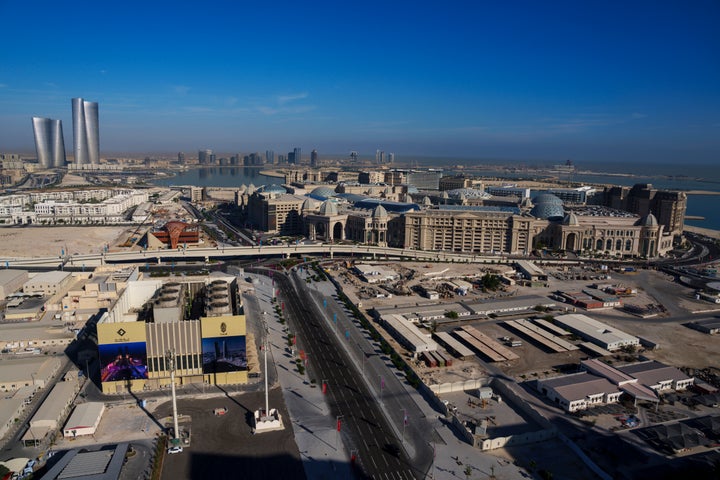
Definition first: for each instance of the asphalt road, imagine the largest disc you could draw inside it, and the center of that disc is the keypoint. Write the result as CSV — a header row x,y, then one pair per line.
x,y
363,427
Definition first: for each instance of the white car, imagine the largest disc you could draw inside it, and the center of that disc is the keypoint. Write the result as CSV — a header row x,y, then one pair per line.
x,y
175,450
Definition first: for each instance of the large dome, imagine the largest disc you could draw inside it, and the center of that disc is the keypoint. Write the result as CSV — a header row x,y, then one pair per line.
x,y
547,198
322,193
274,188
547,207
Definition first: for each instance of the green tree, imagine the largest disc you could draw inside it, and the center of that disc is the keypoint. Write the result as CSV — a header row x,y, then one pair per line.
x,y
490,282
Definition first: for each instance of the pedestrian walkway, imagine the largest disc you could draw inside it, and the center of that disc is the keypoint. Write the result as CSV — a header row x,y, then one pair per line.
x,y
322,451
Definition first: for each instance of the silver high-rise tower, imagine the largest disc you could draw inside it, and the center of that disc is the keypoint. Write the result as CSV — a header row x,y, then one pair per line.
x,y
86,131
49,142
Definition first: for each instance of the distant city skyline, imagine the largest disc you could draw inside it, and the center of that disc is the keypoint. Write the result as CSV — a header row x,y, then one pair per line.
x,y
527,80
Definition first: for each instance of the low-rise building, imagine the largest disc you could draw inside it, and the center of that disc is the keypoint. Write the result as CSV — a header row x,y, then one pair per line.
x,y
51,413
375,273
47,283
34,372
407,334
599,333
579,391
84,420
11,281
658,376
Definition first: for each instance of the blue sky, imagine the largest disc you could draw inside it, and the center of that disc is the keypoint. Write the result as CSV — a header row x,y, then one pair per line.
x,y
600,81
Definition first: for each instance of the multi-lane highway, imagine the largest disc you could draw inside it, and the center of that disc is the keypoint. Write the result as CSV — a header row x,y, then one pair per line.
x,y
363,426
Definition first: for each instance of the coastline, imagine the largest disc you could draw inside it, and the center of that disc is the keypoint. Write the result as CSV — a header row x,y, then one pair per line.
x,y
708,232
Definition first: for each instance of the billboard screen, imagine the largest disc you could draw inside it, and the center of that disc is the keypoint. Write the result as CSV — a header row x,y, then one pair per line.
x,y
123,361
123,351
224,354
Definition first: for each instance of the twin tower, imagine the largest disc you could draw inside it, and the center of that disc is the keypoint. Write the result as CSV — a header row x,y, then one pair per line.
x,y
49,142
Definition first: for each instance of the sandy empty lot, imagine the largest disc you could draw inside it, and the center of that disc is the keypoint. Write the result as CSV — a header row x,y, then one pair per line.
x,y
48,241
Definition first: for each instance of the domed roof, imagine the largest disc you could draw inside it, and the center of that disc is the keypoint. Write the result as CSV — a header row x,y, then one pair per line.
x,y
243,188
444,195
547,198
308,204
328,208
548,211
250,189
322,193
274,188
426,201
571,219
648,220
379,212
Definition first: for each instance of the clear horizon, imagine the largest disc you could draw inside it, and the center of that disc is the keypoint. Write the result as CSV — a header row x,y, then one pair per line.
x,y
523,81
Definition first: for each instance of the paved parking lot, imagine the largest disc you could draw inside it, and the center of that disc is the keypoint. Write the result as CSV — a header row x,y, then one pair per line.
x,y
224,447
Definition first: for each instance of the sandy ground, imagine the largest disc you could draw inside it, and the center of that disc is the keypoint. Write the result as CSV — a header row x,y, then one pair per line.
x,y
703,231
73,180
47,241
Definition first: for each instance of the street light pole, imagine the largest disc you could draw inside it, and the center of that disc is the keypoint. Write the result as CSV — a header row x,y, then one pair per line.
x,y
171,366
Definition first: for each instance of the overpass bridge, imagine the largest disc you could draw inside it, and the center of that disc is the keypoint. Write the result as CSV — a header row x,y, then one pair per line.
x,y
245,252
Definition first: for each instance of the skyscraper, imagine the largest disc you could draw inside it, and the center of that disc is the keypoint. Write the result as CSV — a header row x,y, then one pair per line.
x,y
313,158
181,158
49,142
269,157
298,155
204,156
86,132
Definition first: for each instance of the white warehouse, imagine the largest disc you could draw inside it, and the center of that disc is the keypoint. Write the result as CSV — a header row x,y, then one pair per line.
x,y
599,333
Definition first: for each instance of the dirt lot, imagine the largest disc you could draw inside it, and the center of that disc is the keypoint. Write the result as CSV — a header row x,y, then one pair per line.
x,y
48,241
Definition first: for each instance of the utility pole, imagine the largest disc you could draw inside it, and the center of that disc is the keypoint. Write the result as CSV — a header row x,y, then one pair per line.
x,y
170,355
265,349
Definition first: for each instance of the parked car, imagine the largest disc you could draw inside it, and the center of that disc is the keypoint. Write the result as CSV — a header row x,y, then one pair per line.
x,y
175,450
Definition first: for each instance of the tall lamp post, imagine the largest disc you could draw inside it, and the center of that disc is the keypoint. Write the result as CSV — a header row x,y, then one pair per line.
x,y
170,355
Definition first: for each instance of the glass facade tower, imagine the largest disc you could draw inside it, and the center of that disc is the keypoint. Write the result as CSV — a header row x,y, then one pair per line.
x,y
86,132
49,142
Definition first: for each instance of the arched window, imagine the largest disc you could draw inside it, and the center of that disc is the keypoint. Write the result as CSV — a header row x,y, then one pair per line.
x,y
598,244
628,245
608,244
618,244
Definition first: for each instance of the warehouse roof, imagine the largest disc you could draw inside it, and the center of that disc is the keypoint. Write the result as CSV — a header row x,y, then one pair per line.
x,y
85,415
580,385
